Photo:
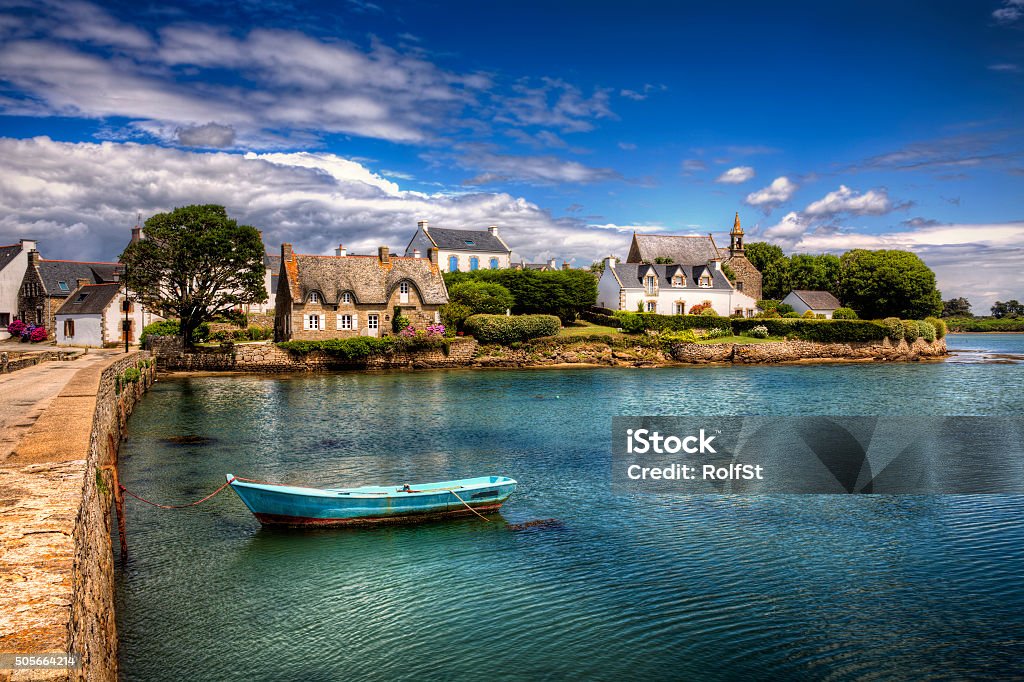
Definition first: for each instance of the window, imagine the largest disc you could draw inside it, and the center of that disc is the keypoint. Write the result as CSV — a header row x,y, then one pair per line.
x,y
705,282
372,322
63,286
469,242
5,319
344,322
474,263
652,306
739,285
679,281
403,292
81,297
314,297
650,284
312,322
494,264
679,308
453,263
69,329
346,297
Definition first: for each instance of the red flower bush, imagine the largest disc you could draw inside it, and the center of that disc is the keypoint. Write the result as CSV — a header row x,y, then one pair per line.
x,y
38,334
16,328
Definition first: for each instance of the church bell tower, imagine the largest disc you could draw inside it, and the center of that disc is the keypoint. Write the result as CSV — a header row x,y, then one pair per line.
x,y
736,238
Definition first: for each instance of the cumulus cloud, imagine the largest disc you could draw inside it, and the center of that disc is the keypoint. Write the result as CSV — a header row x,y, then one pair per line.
x,y
79,200
735,176
780,191
787,231
210,135
846,200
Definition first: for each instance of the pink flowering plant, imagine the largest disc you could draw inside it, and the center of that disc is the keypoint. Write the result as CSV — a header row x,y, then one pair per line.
x,y
16,328
37,334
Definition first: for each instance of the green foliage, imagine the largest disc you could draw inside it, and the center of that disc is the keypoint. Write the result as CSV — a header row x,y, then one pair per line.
x,y
195,264
844,314
130,376
957,307
664,260
504,329
910,330
940,326
715,333
816,330
564,293
815,273
809,315
709,312
173,328
894,329
354,348
398,320
1012,308
680,336
453,316
637,323
758,332
486,298
926,330
729,273
985,324
791,314
600,318
889,283
253,333
235,317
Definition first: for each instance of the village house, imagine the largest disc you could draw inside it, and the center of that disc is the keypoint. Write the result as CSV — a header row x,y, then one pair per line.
x,y
94,316
13,263
670,274
341,296
550,266
818,302
46,284
461,250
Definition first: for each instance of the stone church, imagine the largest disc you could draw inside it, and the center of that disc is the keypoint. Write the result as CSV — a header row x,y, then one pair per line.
x,y
748,278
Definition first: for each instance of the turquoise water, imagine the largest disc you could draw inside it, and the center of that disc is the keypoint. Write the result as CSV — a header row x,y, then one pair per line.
x,y
707,587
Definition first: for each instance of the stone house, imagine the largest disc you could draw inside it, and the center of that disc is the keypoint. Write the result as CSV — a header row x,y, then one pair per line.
x,y
341,296
13,263
670,289
461,250
48,283
94,316
818,302
748,277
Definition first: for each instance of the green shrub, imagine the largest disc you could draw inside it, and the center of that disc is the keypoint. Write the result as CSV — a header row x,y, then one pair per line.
x,y
453,316
709,312
940,326
894,329
844,314
792,314
985,324
716,333
597,317
816,330
910,330
768,305
759,332
509,329
130,376
926,330
354,348
637,323
488,298
173,328
680,336
808,315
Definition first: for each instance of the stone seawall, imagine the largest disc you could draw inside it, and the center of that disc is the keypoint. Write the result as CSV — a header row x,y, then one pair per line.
x,y
57,582
797,351
267,357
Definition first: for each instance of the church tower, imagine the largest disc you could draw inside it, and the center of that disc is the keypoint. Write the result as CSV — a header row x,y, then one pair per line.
x,y
736,238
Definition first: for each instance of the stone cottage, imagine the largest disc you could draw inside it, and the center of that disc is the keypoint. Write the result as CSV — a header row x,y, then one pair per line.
x,y
48,283
340,296
94,316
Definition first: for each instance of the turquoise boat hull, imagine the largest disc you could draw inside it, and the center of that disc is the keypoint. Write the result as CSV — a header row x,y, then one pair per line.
x,y
291,506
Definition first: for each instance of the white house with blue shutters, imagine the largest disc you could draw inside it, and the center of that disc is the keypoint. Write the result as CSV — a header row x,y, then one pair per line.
x,y
461,250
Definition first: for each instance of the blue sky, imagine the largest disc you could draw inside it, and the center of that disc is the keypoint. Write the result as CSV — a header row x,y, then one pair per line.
x,y
827,126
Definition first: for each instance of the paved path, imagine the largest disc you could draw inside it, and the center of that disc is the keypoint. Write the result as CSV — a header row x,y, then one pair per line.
x,y
25,394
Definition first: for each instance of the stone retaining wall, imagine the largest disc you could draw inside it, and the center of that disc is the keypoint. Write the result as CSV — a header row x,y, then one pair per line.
x,y
12,361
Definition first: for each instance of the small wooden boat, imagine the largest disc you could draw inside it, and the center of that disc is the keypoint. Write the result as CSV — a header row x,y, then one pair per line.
x,y
285,505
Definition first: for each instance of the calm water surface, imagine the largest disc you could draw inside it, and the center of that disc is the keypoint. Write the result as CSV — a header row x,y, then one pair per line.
x,y
709,587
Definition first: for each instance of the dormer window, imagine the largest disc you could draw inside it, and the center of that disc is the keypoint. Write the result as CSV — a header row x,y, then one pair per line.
x,y
314,297
705,281
679,281
403,292
650,283
346,297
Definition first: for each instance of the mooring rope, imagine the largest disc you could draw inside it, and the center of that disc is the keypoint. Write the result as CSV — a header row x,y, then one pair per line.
x,y
175,506
467,505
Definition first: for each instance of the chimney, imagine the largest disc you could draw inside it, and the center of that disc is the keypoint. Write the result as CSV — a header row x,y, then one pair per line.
x,y
493,229
423,225
715,264
566,265
83,281
33,257
383,253
27,244
552,265
286,252
136,234
341,250
432,255
416,253
609,262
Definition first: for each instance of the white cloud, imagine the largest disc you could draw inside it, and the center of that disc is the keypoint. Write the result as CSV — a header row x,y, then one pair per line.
x,y
79,200
1011,11
735,176
781,189
554,104
846,200
627,146
544,170
788,231
210,135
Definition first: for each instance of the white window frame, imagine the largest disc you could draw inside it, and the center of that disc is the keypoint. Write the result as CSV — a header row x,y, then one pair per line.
x,y
679,307
314,297
312,322
345,322
679,281
403,292
373,322
650,284
346,297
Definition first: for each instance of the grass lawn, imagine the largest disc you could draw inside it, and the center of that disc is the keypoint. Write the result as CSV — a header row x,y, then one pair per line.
x,y
583,328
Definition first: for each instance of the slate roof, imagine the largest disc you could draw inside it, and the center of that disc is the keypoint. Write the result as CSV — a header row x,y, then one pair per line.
x,y
631,276
369,280
8,254
53,272
818,300
682,250
273,263
456,240
95,300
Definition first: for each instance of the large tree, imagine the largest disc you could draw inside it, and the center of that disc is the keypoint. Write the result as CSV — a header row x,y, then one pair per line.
x,y
1012,308
195,263
888,283
957,307
773,265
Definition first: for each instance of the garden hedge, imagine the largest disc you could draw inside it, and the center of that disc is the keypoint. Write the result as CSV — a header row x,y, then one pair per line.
x,y
816,330
635,323
510,329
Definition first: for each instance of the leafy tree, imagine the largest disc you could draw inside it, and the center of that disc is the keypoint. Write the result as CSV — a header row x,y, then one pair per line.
x,y
729,273
957,307
195,264
775,282
1012,308
760,254
888,283
815,273
482,297
564,293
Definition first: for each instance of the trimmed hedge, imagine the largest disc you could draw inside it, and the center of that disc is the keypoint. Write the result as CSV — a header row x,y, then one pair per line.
x,y
910,330
816,330
635,323
894,329
926,330
600,318
844,314
361,347
940,326
509,329
173,328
